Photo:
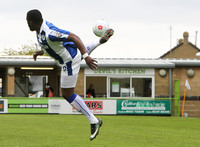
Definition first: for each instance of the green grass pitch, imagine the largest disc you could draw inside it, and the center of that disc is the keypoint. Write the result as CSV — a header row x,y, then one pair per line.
x,y
24,130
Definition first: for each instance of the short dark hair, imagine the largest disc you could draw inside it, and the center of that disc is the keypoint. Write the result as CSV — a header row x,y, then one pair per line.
x,y
35,16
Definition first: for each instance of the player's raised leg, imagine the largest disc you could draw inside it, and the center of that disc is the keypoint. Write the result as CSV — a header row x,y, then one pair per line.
x,y
104,38
91,46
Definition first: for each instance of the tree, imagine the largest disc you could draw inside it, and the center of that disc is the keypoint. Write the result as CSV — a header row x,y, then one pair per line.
x,y
27,49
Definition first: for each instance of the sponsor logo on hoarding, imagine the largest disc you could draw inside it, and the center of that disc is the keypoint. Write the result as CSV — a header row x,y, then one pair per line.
x,y
55,106
94,105
27,105
129,105
1,105
143,107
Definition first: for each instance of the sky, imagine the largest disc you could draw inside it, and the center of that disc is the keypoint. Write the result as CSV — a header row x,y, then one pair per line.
x,y
142,27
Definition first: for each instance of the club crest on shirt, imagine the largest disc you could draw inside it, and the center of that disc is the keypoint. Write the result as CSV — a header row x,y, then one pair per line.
x,y
64,68
41,38
58,34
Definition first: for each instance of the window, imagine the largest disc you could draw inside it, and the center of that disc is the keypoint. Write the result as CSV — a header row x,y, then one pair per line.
x,y
130,87
142,87
37,85
29,86
99,85
119,87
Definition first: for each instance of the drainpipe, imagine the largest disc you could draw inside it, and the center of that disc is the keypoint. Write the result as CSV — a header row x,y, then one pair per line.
x,y
170,82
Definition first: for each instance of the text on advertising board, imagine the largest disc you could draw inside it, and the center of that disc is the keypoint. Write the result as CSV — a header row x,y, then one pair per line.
x,y
143,107
94,105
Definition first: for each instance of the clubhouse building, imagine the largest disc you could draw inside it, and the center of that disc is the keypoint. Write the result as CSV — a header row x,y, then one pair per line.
x,y
20,76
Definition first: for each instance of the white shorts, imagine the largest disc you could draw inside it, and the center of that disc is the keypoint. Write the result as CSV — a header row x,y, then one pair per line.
x,y
69,73
69,81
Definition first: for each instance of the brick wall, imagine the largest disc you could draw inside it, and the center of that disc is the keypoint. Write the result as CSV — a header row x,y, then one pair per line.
x,y
161,84
181,74
191,107
79,89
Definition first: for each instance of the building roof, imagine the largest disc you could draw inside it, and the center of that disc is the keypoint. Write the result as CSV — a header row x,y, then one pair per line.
x,y
26,61
168,52
185,62
132,62
46,61
182,42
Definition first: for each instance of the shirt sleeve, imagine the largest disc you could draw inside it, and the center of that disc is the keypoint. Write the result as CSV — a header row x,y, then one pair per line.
x,y
59,35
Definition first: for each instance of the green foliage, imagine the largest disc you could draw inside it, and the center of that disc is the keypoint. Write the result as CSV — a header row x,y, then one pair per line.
x,y
27,49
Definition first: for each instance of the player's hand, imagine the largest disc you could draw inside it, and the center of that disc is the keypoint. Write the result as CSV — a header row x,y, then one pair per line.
x,y
91,62
35,56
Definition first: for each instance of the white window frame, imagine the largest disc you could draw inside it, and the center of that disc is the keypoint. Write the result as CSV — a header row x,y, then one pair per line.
x,y
150,77
108,83
153,83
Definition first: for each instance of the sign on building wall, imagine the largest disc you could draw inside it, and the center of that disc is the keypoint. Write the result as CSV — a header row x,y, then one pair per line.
x,y
162,107
120,71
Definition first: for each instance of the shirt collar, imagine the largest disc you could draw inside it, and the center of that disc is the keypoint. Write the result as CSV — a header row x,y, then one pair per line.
x,y
42,26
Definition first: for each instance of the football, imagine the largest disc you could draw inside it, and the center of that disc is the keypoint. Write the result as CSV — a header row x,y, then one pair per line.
x,y
100,27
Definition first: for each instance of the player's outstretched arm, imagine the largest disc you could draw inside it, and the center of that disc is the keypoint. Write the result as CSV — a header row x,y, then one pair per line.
x,y
79,44
36,54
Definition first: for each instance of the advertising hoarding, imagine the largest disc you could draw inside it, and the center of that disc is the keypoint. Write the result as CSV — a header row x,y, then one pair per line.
x,y
161,107
61,106
28,106
96,106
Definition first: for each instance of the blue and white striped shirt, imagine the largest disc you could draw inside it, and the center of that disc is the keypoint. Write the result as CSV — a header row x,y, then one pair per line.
x,y
54,41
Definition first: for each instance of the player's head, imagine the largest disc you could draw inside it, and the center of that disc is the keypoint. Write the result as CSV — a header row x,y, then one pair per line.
x,y
34,19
